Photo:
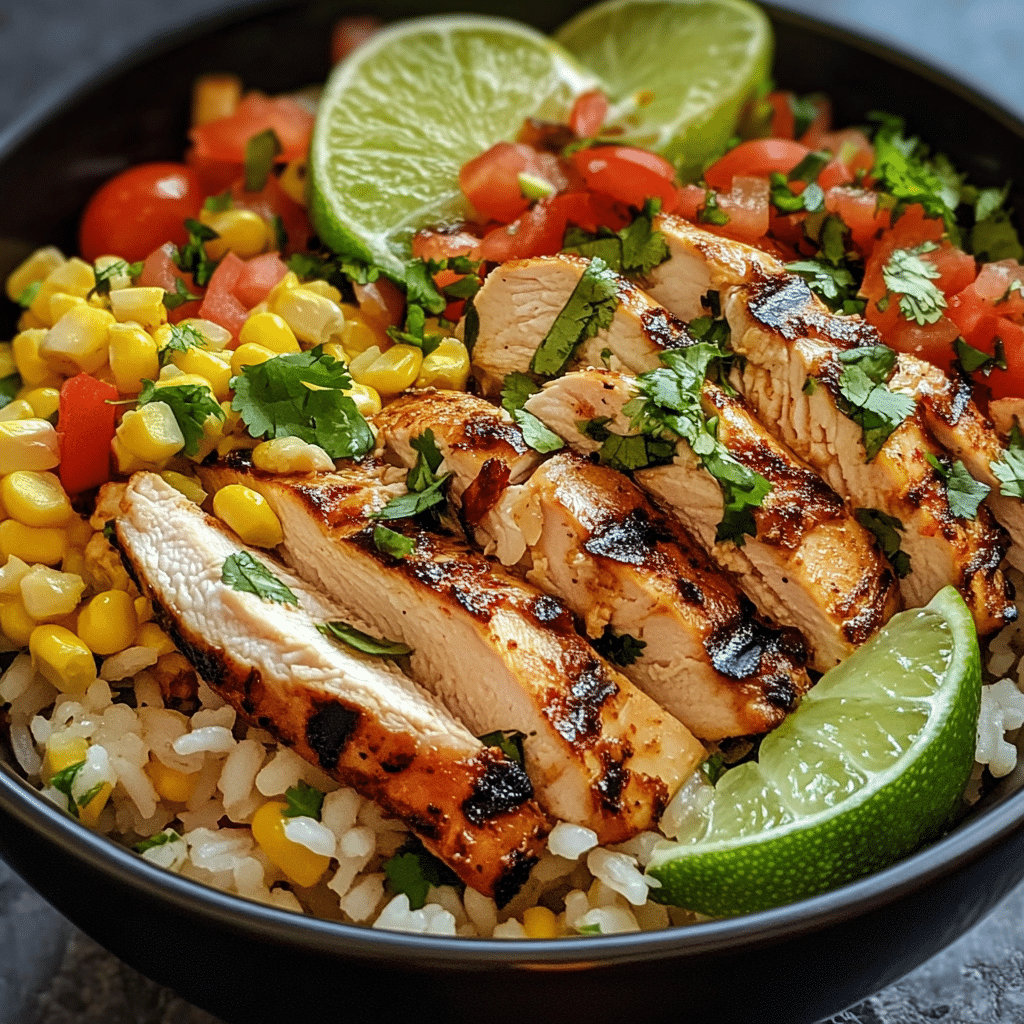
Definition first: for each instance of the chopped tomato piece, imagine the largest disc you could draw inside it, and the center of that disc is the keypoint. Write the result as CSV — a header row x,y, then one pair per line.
x,y
818,128
220,303
783,123
932,342
910,231
851,146
973,315
858,209
956,268
440,244
226,138
755,158
85,425
834,174
537,232
994,285
1008,383
691,199
257,277
628,175
214,175
381,301
590,211
348,33
588,114
160,271
491,181
747,207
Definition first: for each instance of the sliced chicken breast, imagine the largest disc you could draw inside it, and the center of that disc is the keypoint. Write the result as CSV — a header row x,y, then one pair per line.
x,y
359,718
499,653
811,565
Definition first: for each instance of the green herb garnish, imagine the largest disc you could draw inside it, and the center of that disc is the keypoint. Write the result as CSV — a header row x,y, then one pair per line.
x,y
304,801
260,152
248,575
619,648
886,530
865,398
965,494
516,389
191,404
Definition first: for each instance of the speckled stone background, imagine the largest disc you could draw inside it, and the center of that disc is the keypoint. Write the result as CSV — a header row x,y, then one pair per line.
x,y
49,972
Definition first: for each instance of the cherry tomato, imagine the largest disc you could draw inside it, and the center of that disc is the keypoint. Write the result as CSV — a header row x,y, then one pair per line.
x,y
139,210
588,113
628,175
537,232
757,158
491,181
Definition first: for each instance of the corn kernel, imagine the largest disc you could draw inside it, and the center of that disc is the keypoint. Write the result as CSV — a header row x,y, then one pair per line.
x,y
390,372
28,444
215,96
151,433
32,544
63,751
357,335
290,455
177,378
117,276
300,864
321,287
35,268
28,321
213,436
74,562
170,783
128,462
7,364
234,444
35,499
143,611
249,355
212,366
217,338
74,276
16,623
133,357
11,575
50,594
539,923
241,231
367,400
446,368
107,624
187,485
44,401
247,513
61,303
270,331
149,634
33,368
335,351
143,306
78,342
313,318
89,814
62,659
19,409
79,531
294,179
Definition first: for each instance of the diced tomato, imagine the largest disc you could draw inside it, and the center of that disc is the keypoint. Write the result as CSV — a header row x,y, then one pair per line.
x,y
350,32
214,175
381,301
834,174
85,425
588,114
590,210
932,342
852,147
226,138
747,207
910,231
537,232
140,209
628,175
783,123
818,128
271,201
440,244
257,277
691,199
160,271
491,181
956,268
994,286
755,158
973,315
220,303
858,210
1008,383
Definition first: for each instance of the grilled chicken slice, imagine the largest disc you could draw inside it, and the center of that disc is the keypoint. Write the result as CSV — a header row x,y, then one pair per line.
x,y
483,450
499,653
811,565
788,338
594,540
359,718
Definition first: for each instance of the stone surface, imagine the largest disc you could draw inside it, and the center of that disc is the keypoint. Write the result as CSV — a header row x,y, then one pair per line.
x,y
49,972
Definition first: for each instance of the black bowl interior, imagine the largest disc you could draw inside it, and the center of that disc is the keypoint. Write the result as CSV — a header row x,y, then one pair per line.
x,y
248,962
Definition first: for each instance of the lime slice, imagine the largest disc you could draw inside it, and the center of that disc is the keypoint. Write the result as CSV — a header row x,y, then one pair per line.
x,y
679,71
872,764
406,110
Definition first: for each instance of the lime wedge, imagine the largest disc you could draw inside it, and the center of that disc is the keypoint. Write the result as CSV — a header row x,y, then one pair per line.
x,y
679,71
872,764
406,110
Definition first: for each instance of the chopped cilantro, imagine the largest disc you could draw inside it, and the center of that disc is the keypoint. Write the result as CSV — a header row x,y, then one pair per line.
x,y
885,528
913,279
277,399
392,543
589,929
180,295
713,768
710,213
589,309
414,503
636,249
105,275
834,285
193,259
248,575
420,288
304,801
785,200
218,203
260,152
160,839
29,293
995,238
1009,470
804,111
63,780
619,648
110,532
470,326
606,357
428,460
965,493
509,741
974,360
413,334
810,167
9,388
412,870
333,269
182,338
866,400
192,405
516,389
280,233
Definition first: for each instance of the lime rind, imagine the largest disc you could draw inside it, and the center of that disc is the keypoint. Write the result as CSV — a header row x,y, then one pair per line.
x,y
898,808
405,111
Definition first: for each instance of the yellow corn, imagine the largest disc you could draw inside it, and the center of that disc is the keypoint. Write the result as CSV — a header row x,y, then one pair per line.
x,y
19,409
143,306
35,499
213,437
539,923
149,634
32,544
447,367
41,263
143,611
61,303
133,357
63,751
44,401
107,624
78,342
7,363
79,532
212,366
118,279
172,377
269,330
290,455
16,623
74,562
187,485
89,814
50,594
293,181
151,433
28,444
28,321
358,335
300,864
217,338
73,277
33,368
390,372
61,658
321,287
247,513
235,443
367,400
313,318
170,783
289,281
249,354
214,96
242,232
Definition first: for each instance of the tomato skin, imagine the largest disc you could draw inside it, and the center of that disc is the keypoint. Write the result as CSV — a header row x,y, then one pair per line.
x,y
225,139
858,209
755,158
691,199
433,244
956,268
257,277
783,123
220,303
85,425
588,114
628,175
851,146
491,181
537,232
589,210
139,210
747,207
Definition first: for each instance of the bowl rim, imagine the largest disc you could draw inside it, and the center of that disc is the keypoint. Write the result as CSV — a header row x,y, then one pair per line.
x,y
965,843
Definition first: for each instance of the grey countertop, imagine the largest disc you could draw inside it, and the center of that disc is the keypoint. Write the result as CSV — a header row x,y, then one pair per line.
x,y
49,972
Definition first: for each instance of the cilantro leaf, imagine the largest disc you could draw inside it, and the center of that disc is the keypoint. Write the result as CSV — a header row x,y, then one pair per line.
x,y
412,870
218,203
804,111
590,308
995,238
182,338
1009,470
193,259
392,543
180,295
835,285
191,404
105,275
29,293
912,278
713,768
413,334
965,493
710,213
974,360
428,459
635,249
415,502
260,152
508,741
160,839
331,268
277,399
810,166
864,397
619,648
420,288
63,780
280,233
885,528
516,389
9,388
304,801
248,575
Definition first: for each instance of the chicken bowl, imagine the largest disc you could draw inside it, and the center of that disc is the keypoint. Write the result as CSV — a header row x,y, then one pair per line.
x,y
249,961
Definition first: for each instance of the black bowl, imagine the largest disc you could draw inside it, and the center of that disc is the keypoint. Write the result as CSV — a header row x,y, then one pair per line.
x,y
249,963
